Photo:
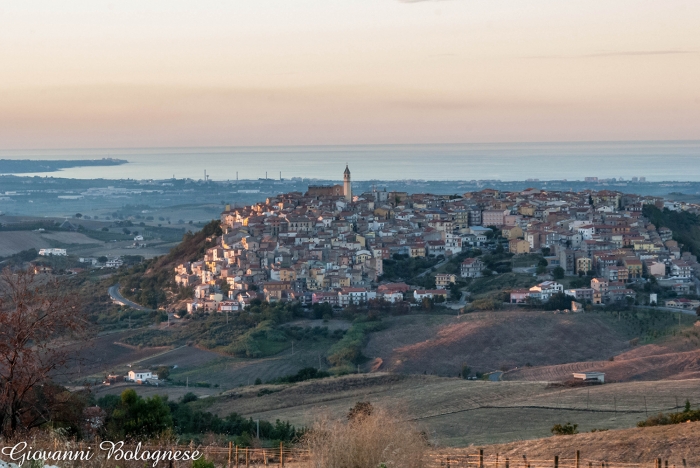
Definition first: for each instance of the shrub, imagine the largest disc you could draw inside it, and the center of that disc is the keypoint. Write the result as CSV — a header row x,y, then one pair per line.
x,y
566,429
202,463
371,440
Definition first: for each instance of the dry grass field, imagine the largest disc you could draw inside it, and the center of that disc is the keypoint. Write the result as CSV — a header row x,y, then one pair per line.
x,y
627,366
673,357
674,443
12,242
69,238
490,341
456,412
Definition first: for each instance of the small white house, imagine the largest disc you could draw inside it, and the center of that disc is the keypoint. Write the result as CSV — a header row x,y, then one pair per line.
x,y
590,376
138,238
141,375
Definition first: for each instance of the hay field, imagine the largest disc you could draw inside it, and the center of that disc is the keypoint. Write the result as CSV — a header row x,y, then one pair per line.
x,y
456,412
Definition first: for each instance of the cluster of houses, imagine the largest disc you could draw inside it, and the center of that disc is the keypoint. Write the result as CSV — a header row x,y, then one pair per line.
x,y
328,245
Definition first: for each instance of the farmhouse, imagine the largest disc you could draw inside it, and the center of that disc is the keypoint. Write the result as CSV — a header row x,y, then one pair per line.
x,y
141,375
420,294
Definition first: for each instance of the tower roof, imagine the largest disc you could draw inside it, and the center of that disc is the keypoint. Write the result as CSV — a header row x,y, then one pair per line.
x,y
347,171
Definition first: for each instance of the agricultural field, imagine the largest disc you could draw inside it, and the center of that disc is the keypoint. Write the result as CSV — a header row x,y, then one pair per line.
x,y
68,238
457,412
490,341
105,354
12,242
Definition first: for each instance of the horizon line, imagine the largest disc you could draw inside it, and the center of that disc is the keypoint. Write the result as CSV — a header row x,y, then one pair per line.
x,y
122,148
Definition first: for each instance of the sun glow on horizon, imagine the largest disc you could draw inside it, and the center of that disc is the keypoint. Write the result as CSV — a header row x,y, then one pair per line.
x,y
273,72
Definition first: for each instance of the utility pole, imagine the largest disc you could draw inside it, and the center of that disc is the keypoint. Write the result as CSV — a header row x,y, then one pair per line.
x,y
258,423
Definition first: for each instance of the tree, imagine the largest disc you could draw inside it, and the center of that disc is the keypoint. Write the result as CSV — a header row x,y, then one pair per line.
x,y
139,418
78,215
35,312
102,259
163,372
558,273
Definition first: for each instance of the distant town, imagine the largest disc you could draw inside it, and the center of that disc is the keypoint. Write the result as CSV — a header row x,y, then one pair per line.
x,y
329,245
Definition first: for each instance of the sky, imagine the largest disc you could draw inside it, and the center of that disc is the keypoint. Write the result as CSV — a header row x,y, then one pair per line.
x,y
163,73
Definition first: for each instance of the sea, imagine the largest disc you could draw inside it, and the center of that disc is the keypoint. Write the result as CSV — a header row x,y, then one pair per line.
x,y
654,160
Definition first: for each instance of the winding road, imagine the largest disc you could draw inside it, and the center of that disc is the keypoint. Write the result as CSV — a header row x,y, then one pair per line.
x,y
119,299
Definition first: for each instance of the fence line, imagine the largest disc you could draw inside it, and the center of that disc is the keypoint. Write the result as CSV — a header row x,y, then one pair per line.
x,y
479,460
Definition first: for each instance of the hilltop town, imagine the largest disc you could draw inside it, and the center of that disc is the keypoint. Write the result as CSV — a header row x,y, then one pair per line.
x,y
328,245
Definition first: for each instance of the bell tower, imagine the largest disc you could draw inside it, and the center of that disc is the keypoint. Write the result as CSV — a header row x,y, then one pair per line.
x,y
347,184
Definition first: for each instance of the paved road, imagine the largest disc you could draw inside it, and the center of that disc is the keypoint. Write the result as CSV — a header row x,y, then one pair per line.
x,y
117,297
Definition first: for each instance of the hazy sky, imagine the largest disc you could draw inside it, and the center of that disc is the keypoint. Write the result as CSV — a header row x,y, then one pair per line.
x,y
272,72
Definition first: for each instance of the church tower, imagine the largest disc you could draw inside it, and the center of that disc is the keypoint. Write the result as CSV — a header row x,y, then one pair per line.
x,y
347,185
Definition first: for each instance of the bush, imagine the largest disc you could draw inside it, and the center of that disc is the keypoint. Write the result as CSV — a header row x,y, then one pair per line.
x,y
369,440
202,463
566,429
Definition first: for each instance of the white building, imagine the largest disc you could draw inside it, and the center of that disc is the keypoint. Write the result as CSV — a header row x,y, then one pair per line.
x,y
47,252
349,296
420,294
141,375
115,262
545,290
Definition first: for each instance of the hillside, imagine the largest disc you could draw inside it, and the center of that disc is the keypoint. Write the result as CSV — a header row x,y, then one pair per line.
x,y
674,443
489,341
676,357
151,283
685,226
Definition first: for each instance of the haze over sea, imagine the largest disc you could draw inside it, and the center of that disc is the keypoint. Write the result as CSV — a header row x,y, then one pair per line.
x,y
655,160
